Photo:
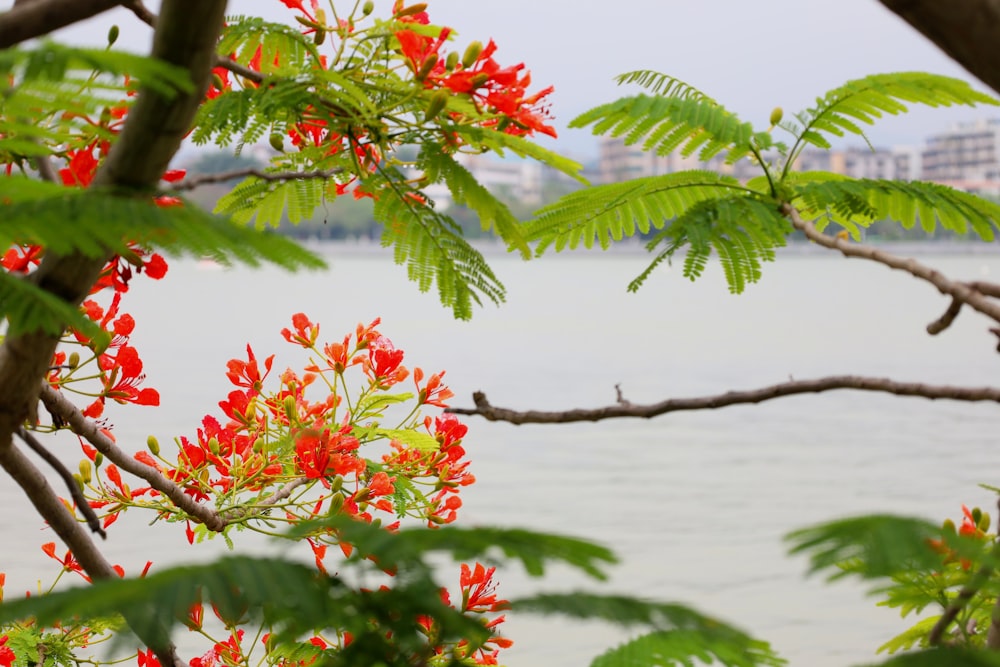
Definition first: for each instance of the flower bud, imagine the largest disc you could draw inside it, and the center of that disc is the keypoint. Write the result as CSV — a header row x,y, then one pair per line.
x,y
74,360
213,446
98,459
438,102
319,37
218,82
452,61
258,445
320,16
113,34
362,495
949,526
479,80
776,116
85,472
80,484
471,54
289,405
984,522
411,10
153,445
426,68
277,142
336,483
367,8
977,514
337,503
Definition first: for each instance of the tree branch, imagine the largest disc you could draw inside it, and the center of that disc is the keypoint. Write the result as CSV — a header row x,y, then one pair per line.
x,y
141,11
943,322
40,17
958,290
61,407
624,409
67,477
207,179
967,30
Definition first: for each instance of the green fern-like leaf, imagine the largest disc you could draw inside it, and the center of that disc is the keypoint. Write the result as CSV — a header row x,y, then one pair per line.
x,y
94,222
293,597
875,546
742,230
611,212
662,84
944,657
434,252
865,100
467,191
687,124
407,548
687,647
863,201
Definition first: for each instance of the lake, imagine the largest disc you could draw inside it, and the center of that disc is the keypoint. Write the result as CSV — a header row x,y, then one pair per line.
x,y
694,504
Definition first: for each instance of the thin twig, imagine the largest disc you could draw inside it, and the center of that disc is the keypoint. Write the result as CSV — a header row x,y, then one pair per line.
x,y
67,478
943,322
239,513
241,70
955,289
141,11
884,385
59,405
207,179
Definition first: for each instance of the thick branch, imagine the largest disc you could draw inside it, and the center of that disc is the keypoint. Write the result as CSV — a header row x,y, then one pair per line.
x,y
625,409
953,288
207,179
34,19
967,30
60,406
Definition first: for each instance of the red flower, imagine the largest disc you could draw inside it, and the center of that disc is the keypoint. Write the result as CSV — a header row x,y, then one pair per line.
x,y
384,363
305,333
247,373
7,656
433,393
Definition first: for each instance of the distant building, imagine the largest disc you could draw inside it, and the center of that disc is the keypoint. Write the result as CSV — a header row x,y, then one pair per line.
x,y
966,157
618,162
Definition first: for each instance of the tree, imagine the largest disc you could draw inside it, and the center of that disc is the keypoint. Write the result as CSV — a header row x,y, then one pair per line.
x,y
919,564
86,137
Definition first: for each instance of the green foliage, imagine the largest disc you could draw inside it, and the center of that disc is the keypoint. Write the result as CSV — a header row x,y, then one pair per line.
x,y
865,100
711,213
944,657
99,223
854,202
873,546
434,252
467,191
686,647
407,547
681,635
68,84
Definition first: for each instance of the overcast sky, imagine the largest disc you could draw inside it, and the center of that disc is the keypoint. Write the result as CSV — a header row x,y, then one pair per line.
x,y
749,55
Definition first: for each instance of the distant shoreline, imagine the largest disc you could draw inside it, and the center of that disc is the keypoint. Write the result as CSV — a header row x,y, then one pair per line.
x,y
795,248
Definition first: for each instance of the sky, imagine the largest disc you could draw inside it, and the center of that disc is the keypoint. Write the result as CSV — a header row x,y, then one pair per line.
x,y
749,56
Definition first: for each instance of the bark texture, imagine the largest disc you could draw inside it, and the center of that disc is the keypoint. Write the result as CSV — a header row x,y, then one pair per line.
x,y
967,30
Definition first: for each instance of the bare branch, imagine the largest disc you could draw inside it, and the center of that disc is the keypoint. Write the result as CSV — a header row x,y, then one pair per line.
x,y
883,385
207,179
60,406
67,477
943,322
141,11
955,289
946,319
40,17
241,70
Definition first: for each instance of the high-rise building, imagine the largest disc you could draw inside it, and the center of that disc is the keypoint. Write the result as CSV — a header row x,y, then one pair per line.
x,y
966,157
